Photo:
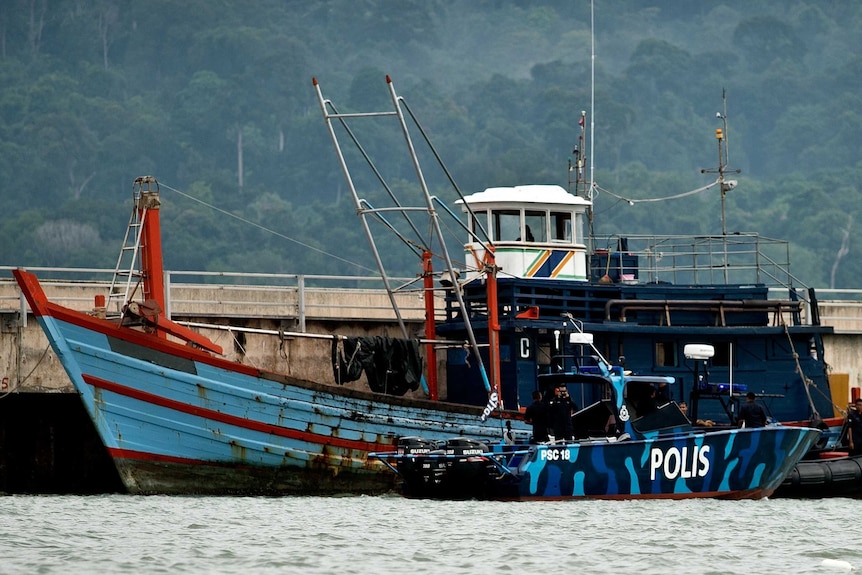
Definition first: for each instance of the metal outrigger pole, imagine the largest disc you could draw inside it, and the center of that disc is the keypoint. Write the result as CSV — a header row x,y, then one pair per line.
x,y
363,210
358,203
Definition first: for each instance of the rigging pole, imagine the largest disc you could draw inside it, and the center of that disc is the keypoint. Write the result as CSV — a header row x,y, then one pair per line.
x,y
724,186
363,209
360,207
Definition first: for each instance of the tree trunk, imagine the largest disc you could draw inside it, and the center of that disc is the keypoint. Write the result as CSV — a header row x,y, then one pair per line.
x,y
239,157
37,24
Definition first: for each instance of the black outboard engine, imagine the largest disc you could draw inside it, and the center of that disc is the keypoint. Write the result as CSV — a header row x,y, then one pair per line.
x,y
468,473
453,469
421,474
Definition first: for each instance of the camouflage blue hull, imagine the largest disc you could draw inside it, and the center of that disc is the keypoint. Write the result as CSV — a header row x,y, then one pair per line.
x,y
733,464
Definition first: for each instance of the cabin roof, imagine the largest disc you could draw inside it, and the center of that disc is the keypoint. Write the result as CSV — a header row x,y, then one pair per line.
x,y
532,194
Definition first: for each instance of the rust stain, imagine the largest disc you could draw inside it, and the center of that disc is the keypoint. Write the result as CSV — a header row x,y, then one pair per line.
x,y
321,461
97,397
237,451
357,416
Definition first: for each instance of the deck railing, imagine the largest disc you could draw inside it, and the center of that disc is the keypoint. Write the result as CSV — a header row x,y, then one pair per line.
x,y
738,258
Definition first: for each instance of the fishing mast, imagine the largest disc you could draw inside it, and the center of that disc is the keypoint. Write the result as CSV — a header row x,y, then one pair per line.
x,y
365,210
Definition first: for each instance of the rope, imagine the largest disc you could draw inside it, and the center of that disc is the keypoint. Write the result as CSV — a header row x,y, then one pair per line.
x,y
245,221
23,381
674,197
242,349
805,379
281,340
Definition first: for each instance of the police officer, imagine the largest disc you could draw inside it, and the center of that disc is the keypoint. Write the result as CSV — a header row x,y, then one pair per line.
x,y
751,414
536,415
560,411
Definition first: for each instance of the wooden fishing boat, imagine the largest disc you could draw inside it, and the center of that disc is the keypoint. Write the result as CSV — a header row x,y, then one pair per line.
x,y
177,417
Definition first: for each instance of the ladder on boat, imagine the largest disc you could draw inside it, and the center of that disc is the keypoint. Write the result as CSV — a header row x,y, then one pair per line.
x,y
128,274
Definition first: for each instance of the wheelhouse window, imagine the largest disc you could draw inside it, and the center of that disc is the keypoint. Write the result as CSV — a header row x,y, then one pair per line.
x,y
561,227
478,222
507,225
535,226
666,354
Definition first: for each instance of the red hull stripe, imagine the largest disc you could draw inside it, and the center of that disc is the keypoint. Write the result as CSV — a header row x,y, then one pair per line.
x,y
217,416
144,456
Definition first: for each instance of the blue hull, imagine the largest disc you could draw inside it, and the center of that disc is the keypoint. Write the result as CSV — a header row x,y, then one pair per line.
x,y
178,420
731,464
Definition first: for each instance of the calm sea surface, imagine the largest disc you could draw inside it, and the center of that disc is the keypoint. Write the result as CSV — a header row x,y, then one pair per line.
x,y
380,535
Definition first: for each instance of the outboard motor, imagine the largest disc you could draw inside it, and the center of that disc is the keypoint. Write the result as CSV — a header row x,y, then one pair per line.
x,y
468,473
421,473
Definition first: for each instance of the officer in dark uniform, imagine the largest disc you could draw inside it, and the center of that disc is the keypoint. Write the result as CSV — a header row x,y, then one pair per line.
x,y
854,429
536,415
560,411
750,413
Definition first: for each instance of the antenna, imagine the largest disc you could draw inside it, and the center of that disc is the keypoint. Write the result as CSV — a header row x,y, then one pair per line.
x,y
723,185
578,161
592,95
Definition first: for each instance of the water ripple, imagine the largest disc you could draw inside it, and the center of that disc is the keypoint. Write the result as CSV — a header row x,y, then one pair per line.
x,y
383,535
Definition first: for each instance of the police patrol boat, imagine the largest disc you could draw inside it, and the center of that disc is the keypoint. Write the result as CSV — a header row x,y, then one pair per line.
x,y
624,446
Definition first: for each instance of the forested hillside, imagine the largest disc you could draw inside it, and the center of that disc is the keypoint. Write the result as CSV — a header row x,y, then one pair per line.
x,y
215,99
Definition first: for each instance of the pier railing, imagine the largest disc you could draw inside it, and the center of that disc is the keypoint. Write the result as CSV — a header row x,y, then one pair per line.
x,y
295,297
298,297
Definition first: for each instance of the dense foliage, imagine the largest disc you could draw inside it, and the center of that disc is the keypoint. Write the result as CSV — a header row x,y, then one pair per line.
x,y
215,100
